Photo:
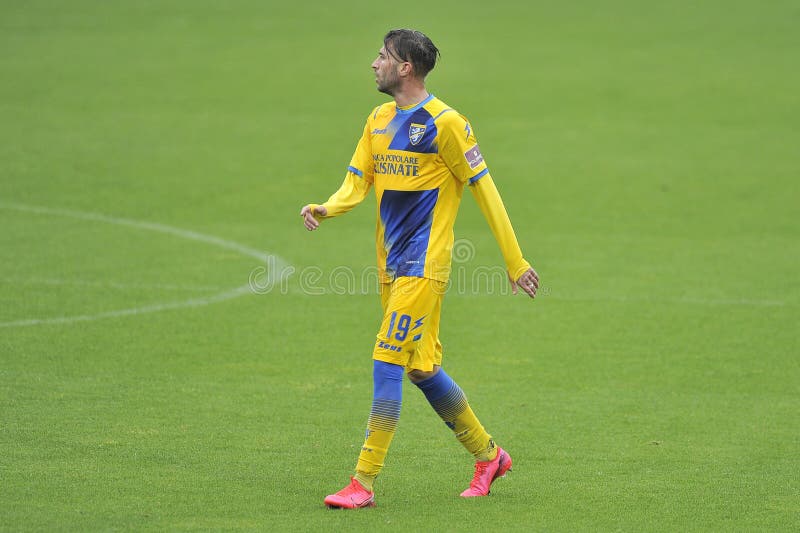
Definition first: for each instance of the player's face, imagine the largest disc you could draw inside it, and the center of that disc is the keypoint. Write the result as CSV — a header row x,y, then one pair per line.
x,y
386,77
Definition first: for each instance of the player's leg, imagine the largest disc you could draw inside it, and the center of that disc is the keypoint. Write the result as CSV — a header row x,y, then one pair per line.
x,y
406,303
451,404
406,309
444,394
382,422
381,425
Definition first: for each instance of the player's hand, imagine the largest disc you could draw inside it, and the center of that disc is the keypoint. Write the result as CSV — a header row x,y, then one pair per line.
x,y
528,281
309,214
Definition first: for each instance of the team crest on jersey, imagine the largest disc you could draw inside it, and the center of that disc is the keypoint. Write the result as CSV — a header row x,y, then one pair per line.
x,y
415,133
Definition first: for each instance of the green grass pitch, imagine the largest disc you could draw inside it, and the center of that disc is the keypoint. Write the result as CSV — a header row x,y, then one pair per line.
x,y
152,152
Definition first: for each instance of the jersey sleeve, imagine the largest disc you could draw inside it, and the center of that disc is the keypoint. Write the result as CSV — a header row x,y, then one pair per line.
x,y
459,148
357,180
361,163
351,193
491,205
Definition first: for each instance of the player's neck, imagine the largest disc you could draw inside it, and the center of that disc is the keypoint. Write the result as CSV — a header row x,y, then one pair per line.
x,y
411,95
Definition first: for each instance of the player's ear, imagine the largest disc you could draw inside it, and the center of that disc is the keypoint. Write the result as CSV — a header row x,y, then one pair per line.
x,y
406,69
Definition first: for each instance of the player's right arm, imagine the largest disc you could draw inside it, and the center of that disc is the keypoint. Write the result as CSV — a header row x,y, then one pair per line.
x,y
353,190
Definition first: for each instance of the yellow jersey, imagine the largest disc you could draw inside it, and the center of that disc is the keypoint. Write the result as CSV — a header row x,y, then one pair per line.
x,y
418,159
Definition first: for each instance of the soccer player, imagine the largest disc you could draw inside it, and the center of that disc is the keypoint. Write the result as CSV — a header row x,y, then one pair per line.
x,y
418,154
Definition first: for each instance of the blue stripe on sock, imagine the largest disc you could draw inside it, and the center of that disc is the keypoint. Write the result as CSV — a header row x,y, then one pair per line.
x,y
387,380
436,386
387,397
385,408
444,395
384,415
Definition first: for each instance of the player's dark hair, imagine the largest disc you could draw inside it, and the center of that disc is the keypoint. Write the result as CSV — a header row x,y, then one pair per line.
x,y
412,46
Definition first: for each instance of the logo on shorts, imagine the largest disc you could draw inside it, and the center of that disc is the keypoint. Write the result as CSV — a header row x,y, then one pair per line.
x,y
415,133
390,347
474,157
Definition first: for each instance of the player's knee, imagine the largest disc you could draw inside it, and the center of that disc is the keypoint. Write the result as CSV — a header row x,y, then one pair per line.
x,y
416,375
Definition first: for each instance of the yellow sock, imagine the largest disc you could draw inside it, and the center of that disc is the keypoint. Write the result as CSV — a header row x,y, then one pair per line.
x,y
380,431
472,435
366,480
382,423
450,402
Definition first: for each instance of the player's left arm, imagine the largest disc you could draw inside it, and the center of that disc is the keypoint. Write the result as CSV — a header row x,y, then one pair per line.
x,y
460,151
520,272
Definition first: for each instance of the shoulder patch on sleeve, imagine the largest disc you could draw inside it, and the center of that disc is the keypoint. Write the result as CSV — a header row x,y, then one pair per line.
x,y
474,157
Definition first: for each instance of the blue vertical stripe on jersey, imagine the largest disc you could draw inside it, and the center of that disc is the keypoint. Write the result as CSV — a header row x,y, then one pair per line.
x,y
407,217
395,125
402,135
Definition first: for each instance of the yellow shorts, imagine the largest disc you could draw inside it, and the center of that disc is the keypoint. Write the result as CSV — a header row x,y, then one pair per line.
x,y
409,334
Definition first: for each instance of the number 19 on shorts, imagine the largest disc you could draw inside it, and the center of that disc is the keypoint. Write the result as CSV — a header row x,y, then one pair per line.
x,y
400,327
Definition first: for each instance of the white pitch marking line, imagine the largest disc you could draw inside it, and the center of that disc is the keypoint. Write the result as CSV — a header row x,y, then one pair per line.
x,y
194,302
152,226
109,284
279,263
